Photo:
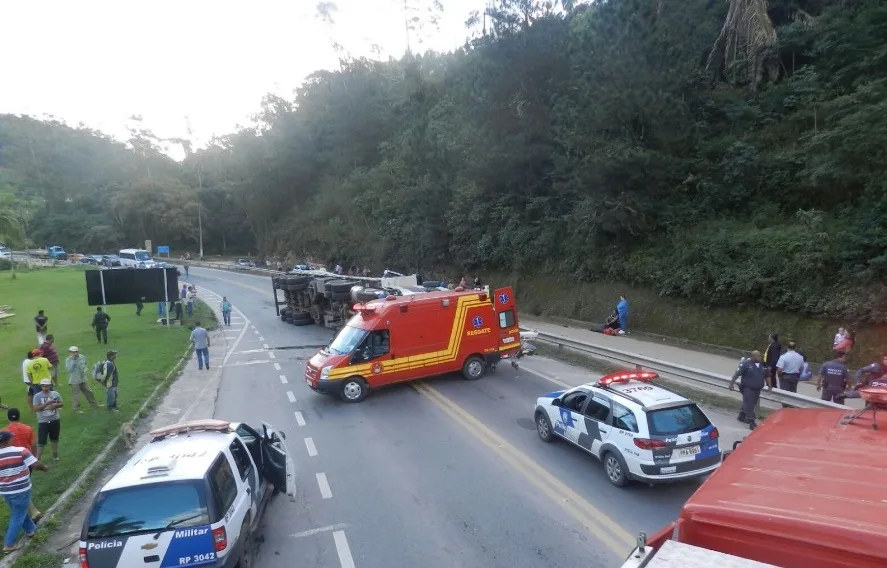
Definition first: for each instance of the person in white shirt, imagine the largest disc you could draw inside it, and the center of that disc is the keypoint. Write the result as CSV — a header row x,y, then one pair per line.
x,y
788,368
840,336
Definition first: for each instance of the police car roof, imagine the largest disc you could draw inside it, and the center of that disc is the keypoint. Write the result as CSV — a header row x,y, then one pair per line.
x,y
185,456
808,478
650,397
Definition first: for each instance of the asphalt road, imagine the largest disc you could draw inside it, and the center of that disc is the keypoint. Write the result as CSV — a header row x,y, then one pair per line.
x,y
440,473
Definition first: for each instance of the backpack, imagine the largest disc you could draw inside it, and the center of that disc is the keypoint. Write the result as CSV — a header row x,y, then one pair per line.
x,y
100,372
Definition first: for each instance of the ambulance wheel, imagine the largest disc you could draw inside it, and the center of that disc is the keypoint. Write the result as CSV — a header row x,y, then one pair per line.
x,y
354,389
248,548
473,368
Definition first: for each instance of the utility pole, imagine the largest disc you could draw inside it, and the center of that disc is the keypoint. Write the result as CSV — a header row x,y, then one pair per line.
x,y
199,207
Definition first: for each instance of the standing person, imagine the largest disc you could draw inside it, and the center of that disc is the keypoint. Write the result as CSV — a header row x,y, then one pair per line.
x,y
184,292
847,343
15,486
23,437
109,379
839,337
189,303
75,364
187,270
226,311
773,352
42,324
39,369
833,379
49,424
100,323
200,339
789,367
26,376
49,351
622,310
755,376
139,307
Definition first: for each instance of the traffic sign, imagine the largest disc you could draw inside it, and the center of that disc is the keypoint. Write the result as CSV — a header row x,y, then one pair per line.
x,y
162,249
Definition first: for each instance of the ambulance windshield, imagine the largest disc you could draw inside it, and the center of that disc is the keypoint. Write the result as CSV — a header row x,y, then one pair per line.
x,y
347,340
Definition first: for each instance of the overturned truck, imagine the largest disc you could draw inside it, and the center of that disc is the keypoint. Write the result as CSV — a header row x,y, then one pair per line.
x,y
322,298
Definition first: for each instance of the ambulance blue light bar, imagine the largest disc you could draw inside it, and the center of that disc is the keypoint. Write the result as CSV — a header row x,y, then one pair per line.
x,y
626,376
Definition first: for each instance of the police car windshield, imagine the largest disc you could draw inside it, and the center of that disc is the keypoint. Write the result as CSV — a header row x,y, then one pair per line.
x,y
347,340
677,420
145,508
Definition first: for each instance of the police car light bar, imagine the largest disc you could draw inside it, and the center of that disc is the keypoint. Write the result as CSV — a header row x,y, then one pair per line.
x,y
626,376
192,426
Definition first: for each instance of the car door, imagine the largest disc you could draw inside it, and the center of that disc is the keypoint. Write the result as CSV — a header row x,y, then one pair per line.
x,y
569,423
278,469
249,474
596,421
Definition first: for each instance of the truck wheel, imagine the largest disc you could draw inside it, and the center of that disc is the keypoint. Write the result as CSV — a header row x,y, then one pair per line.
x,y
543,427
354,389
473,368
615,469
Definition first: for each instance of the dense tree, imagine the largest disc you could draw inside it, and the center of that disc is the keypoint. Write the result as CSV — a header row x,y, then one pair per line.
x,y
727,151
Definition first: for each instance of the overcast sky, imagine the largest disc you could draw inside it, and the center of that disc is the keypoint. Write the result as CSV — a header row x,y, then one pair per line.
x,y
101,61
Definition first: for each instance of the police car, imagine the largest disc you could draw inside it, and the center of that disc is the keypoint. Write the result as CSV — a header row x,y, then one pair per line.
x,y
640,431
193,496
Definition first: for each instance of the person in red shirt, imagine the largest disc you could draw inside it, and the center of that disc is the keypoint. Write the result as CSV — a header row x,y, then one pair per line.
x,y
52,356
23,437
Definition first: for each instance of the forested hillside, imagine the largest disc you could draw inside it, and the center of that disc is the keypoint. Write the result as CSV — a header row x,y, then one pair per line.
x,y
700,148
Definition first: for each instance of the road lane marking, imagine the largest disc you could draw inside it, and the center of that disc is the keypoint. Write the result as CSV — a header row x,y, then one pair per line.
x,y
345,558
324,485
291,396
262,339
252,326
300,420
264,345
242,363
271,355
312,449
596,522
318,530
276,366
546,377
283,379
256,331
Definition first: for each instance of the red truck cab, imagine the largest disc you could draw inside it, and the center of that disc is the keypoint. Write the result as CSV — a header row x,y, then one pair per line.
x,y
402,338
806,489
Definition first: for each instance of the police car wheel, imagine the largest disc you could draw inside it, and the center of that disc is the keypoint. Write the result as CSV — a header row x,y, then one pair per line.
x,y
543,427
246,551
615,469
354,389
474,368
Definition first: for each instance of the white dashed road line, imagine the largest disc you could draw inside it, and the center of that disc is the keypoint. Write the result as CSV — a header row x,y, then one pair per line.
x,y
252,326
324,485
277,366
256,331
300,420
271,355
283,379
262,339
291,396
318,530
264,345
345,558
312,449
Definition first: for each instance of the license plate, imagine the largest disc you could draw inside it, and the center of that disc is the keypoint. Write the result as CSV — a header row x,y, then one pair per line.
x,y
667,470
688,452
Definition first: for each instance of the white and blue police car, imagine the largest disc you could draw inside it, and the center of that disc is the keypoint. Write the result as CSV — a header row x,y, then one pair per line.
x,y
192,496
639,430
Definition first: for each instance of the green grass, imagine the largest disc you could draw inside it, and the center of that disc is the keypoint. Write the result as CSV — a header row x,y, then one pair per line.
x,y
146,353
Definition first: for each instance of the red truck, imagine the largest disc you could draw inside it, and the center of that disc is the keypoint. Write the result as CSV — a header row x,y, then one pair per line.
x,y
806,489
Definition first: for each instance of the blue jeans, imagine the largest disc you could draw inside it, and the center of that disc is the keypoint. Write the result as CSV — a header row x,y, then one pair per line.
x,y
111,398
190,306
202,357
18,517
226,317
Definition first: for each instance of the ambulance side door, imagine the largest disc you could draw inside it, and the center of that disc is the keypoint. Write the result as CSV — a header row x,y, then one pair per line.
x,y
506,312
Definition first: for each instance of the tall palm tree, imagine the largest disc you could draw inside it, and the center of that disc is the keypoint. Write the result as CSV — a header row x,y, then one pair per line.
x,y
746,35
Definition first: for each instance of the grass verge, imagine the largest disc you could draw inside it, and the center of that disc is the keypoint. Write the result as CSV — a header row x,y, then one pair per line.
x,y
146,352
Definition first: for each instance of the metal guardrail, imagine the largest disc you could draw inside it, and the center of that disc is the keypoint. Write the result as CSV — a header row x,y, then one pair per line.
x,y
682,372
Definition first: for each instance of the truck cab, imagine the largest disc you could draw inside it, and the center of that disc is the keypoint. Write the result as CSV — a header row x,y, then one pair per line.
x,y
803,490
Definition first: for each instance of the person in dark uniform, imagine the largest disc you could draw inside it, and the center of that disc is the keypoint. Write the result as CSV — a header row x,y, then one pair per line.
x,y
755,376
874,375
833,378
772,354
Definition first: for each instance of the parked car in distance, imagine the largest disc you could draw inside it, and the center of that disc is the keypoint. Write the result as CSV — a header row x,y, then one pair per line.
x,y
91,259
244,263
5,253
110,260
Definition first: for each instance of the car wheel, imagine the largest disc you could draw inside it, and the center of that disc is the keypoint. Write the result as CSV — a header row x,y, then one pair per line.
x,y
248,548
615,469
473,368
354,389
543,427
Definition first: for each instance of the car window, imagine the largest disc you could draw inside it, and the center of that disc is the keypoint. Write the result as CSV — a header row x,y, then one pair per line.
x,y
677,420
148,508
223,484
624,419
506,319
574,400
241,458
598,408
375,345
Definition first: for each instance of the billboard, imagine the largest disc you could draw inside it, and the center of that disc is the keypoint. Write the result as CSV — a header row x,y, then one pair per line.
x,y
131,285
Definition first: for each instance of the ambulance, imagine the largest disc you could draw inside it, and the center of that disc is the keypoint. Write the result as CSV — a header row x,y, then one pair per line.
x,y
403,338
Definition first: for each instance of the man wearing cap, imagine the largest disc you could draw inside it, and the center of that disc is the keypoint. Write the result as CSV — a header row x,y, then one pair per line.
x,y
15,486
111,381
75,364
49,425
52,356
23,437
38,369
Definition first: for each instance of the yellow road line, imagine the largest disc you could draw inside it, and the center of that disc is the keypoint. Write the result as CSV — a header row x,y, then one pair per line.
x,y
595,522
